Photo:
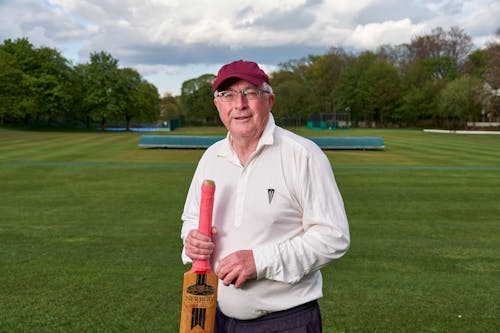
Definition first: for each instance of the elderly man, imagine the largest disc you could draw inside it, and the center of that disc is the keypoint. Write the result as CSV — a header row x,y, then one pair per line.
x,y
278,214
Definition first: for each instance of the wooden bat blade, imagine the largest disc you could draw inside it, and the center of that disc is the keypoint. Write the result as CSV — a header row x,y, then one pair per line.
x,y
199,291
199,301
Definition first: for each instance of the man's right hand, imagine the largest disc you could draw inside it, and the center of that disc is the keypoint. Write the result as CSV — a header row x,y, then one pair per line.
x,y
199,246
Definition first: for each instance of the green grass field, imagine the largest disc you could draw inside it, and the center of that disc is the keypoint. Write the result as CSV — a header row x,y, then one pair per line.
x,y
90,233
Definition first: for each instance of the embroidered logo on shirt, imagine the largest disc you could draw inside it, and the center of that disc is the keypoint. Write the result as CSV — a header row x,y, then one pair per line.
x,y
270,194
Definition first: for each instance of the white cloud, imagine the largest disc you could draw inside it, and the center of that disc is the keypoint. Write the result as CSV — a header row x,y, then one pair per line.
x,y
147,69
372,35
176,38
481,20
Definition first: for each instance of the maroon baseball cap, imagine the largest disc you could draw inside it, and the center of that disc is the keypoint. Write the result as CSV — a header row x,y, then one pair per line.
x,y
245,70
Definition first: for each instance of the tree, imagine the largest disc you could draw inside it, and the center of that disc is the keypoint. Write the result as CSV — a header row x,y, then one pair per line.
x,y
397,55
127,95
381,86
197,100
81,84
492,70
323,77
147,102
11,88
24,53
299,67
475,65
292,103
492,76
458,45
40,84
52,84
427,46
351,93
455,44
281,76
169,105
295,99
421,82
101,77
416,104
22,58
460,101
44,89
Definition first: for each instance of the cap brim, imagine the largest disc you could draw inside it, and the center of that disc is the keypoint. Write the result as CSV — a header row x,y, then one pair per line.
x,y
257,81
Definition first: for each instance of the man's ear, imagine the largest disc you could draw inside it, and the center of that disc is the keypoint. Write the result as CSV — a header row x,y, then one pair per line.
x,y
271,101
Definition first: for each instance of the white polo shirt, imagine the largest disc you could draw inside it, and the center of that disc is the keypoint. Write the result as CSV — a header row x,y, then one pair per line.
x,y
283,204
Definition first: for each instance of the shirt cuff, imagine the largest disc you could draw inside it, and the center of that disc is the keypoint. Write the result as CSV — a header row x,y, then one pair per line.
x,y
267,262
185,259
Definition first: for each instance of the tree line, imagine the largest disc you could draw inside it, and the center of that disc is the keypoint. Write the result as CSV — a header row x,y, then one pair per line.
x,y
40,85
437,79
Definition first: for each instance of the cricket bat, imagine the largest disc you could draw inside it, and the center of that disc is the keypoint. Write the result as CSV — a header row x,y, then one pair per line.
x,y
199,291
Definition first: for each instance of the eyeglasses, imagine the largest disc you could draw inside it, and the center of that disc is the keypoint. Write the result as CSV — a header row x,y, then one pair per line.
x,y
249,93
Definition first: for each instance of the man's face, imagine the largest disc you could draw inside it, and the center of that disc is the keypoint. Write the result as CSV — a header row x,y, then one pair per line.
x,y
245,118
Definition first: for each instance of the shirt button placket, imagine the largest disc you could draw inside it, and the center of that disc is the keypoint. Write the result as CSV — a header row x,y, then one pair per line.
x,y
240,199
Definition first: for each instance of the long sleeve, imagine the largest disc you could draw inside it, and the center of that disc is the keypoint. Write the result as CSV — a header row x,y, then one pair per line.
x,y
325,233
190,214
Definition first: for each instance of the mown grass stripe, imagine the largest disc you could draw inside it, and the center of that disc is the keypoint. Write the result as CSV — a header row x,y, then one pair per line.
x,y
96,164
422,167
193,165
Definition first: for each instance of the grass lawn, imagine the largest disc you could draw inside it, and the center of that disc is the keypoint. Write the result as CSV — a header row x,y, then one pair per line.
x,y
90,233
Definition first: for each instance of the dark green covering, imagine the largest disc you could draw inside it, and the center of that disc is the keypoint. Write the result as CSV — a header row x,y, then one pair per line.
x,y
183,141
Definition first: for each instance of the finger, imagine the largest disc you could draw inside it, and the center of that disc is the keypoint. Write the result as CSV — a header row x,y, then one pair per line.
x,y
242,278
196,255
230,278
201,244
196,235
228,273
223,268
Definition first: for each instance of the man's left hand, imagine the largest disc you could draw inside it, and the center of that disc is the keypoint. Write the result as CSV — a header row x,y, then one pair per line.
x,y
237,268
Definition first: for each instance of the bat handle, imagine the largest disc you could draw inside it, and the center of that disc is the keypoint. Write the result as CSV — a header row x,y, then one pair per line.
x,y
205,221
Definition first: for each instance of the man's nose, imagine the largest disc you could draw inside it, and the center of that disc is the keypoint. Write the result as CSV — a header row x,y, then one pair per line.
x,y
240,99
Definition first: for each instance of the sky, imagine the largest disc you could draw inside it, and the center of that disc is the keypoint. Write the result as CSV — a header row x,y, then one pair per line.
x,y
171,41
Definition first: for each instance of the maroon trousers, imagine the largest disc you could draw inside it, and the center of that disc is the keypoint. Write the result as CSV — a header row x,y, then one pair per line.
x,y
305,318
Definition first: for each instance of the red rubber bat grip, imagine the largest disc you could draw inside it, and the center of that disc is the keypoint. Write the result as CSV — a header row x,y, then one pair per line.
x,y
205,221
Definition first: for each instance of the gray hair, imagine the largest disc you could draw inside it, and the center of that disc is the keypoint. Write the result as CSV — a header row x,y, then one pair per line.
x,y
267,87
